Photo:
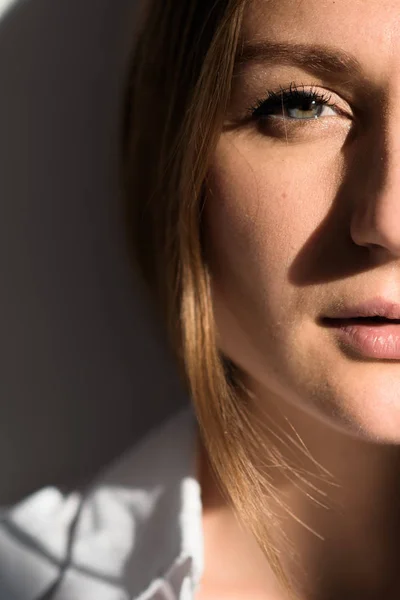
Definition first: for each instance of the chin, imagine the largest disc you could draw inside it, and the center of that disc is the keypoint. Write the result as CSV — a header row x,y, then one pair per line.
x,y
358,399
365,405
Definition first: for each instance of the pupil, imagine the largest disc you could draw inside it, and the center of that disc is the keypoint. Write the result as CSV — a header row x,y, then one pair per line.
x,y
307,106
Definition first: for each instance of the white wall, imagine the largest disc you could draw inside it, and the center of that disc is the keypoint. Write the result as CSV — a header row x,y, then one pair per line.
x,y
81,371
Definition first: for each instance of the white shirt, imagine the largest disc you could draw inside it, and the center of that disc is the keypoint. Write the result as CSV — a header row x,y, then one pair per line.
x,y
136,534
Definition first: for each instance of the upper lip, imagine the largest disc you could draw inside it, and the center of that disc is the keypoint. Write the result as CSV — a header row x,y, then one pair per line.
x,y
376,307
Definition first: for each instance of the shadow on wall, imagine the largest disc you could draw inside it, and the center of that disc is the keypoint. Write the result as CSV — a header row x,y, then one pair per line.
x,y
79,350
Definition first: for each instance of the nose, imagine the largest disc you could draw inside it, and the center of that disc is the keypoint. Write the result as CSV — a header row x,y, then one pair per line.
x,y
375,220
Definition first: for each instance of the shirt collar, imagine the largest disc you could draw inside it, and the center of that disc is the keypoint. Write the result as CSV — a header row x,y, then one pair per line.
x,y
138,530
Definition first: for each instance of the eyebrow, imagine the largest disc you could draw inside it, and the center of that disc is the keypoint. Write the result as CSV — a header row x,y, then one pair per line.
x,y
312,58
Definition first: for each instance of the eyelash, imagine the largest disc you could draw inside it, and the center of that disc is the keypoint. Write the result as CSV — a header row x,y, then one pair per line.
x,y
287,98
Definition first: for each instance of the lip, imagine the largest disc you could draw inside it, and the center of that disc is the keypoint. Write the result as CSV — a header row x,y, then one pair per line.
x,y
376,307
379,340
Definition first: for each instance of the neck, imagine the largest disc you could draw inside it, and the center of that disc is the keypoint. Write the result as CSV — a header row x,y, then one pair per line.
x,y
347,539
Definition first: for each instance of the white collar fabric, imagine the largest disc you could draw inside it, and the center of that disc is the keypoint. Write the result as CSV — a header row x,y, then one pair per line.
x,y
136,533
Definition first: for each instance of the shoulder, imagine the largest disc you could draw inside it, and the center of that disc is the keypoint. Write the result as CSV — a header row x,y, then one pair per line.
x,y
114,539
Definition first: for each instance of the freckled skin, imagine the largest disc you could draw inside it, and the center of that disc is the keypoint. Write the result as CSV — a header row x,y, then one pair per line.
x,y
302,219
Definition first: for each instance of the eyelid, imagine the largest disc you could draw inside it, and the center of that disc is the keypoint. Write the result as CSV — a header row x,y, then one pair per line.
x,y
334,100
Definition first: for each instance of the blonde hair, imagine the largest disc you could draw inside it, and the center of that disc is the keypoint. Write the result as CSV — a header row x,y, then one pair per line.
x,y
183,65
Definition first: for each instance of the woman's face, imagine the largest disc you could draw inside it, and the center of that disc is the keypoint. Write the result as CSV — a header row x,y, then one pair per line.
x,y
303,213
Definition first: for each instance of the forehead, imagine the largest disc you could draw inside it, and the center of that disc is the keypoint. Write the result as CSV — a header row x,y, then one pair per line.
x,y
367,28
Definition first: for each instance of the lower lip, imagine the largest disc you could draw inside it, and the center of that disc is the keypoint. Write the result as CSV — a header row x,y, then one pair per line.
x,y
372,341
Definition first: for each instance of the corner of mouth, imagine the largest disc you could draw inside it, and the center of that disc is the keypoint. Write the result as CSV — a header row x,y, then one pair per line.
x,y
367,321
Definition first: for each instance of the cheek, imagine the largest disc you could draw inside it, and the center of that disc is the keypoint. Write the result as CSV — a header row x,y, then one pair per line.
x,y
262,207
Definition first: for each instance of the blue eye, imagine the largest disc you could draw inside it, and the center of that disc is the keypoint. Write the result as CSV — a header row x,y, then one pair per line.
x,y
295,104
